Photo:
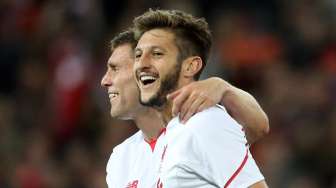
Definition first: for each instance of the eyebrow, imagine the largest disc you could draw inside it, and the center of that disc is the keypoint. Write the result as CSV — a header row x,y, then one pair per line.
x,y
151,48
110,63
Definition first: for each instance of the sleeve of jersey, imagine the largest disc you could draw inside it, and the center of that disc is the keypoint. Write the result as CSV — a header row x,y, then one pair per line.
x,y
110,170
213,149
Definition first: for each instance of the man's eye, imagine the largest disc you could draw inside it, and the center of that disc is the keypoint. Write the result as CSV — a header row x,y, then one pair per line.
x,y
157,53
114,68
137,55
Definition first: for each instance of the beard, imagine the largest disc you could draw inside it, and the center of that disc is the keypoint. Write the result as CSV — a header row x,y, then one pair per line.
x,y
168,84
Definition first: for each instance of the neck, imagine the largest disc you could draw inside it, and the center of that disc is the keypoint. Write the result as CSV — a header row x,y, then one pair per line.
x,y
166,112
166,109
150,122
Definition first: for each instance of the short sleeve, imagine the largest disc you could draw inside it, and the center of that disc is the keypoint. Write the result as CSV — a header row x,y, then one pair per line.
x,y
222,144
109,170
210,151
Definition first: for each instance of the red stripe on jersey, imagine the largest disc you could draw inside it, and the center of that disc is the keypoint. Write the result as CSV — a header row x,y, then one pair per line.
x,y
159,184
163,153
237,171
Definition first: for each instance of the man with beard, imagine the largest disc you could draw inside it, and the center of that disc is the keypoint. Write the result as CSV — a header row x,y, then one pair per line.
x,y
210,149
135,162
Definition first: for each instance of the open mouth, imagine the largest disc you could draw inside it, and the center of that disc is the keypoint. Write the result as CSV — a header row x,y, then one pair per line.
x,y
147,78
113,95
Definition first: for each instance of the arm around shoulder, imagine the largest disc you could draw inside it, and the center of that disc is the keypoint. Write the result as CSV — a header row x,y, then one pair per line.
x,y
244,108
260,184
222,144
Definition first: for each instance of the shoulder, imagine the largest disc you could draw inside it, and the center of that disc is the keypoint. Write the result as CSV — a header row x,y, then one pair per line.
x,y
215,125
121,150
130,141
214,111
118,162
213,116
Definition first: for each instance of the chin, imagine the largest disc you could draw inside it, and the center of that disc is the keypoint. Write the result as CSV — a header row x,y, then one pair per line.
x,y
120,115
115,113
154,101
145,99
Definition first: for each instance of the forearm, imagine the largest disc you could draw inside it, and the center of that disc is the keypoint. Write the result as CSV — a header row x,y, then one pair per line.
x,y
261,184
246,111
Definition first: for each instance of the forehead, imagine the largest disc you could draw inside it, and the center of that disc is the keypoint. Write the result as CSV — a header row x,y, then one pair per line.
x,y
121,55
156,38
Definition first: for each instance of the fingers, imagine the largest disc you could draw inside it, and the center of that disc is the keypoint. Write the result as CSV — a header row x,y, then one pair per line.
x,y
172,95
192,109
205,105
187,104
198,105
178,100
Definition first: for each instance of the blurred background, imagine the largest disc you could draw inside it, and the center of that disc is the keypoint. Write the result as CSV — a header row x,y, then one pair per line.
x,y
55,128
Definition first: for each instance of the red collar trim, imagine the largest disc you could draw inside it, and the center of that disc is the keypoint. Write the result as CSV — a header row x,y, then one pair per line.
x,y
152,142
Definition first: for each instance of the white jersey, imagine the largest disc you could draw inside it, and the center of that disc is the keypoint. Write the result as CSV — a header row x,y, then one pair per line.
x,y
210,150
135,163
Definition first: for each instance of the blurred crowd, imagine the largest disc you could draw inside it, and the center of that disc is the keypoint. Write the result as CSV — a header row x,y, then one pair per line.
x,y
55,128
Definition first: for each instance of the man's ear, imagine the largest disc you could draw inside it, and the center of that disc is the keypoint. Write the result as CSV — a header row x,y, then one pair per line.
x,y
191,66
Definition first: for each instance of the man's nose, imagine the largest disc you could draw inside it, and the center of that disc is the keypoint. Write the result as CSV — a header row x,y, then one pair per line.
x,y
106,80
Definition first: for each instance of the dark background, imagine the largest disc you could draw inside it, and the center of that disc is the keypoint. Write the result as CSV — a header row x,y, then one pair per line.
x,y
55,128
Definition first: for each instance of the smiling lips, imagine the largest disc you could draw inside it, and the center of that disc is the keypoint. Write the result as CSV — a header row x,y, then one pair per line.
x,y
113,95
147,78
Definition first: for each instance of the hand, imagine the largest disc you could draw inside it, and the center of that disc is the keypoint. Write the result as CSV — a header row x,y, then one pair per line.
x,y
197,96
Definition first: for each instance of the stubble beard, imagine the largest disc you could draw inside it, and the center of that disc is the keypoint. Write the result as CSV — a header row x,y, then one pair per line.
x,y
168,84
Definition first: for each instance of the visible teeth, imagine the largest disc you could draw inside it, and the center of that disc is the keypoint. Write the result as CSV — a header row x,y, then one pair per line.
x,y
112,95
145,78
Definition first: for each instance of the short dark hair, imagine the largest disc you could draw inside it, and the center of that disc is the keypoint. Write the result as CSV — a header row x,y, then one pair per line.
x,y
126,37
192,35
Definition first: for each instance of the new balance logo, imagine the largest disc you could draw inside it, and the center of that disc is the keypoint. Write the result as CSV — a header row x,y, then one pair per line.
x,y
133,184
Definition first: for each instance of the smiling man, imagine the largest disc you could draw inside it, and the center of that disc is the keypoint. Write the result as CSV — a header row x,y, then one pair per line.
x,y
133,162
136,161
210,150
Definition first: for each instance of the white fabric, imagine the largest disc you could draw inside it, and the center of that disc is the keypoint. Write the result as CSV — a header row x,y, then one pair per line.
x,y
133,161
205,152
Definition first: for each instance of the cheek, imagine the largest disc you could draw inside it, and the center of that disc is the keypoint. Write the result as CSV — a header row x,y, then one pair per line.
x,y
132,94
130,84
129,79
166,67
126,77
135,66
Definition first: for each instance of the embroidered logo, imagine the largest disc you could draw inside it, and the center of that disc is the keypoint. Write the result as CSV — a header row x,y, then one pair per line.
x,y
133,184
